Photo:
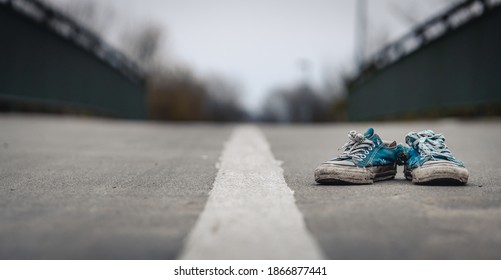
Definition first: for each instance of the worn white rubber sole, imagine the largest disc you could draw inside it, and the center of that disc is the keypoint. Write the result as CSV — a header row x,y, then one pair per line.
x,y
439,174
328,173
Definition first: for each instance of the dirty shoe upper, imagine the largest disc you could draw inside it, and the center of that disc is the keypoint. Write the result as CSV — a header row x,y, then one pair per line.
x,y
368,150
427,146
365,158
428,159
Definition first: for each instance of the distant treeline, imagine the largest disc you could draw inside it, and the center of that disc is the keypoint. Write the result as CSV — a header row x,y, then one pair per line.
x,y
175,93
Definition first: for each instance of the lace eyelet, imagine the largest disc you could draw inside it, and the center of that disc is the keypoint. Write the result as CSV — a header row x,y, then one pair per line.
x,y
366,152
370,148
363,156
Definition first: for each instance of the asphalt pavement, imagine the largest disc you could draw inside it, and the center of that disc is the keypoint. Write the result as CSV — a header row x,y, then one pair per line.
x,y
396,219
76,188
102,189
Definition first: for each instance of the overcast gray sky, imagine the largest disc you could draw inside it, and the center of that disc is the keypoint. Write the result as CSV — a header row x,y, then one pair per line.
x,y
259,42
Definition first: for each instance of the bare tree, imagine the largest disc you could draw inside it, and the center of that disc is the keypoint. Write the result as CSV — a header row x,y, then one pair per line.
x,y
142,45
300,103
275,107
224,102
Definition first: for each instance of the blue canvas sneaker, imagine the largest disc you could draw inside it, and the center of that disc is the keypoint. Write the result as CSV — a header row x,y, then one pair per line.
x,y
429,161
365,158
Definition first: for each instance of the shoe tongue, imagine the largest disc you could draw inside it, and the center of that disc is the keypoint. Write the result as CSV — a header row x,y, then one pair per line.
x,y
370,135
369,132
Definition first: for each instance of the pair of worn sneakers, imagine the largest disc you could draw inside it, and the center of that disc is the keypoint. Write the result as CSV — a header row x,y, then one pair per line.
x,y
365,159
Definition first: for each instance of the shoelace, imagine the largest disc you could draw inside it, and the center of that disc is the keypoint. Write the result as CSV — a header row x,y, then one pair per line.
x,y
357,147
429,144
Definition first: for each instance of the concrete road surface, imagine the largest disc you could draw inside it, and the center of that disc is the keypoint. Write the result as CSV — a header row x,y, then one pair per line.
x,y
75,188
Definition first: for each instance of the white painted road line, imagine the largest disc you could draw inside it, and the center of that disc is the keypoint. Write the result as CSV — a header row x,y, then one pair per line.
x,y
251,212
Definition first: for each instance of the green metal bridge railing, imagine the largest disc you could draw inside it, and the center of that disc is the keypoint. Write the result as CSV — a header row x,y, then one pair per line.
x,y
49,60
449,64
